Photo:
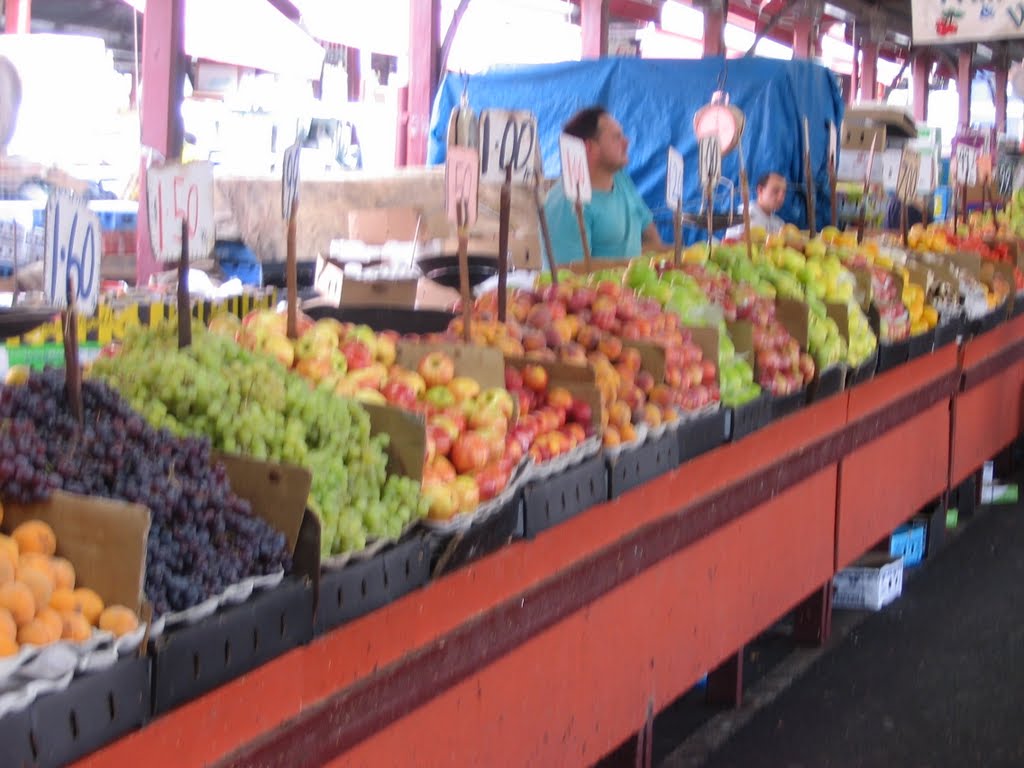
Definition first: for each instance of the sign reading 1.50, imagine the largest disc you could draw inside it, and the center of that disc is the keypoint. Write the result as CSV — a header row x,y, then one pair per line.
x,y
507,139
176,194
71,261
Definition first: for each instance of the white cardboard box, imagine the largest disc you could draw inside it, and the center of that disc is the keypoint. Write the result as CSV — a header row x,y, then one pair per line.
x,y
871,583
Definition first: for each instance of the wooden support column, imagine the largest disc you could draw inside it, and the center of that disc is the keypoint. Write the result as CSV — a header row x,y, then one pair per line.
x,y
1001,72
17,17
594,24
714,28
920,71
163,69
964,75
424,46
868,80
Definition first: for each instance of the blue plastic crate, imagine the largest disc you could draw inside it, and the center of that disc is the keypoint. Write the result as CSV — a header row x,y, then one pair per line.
x,y
237,260
908,542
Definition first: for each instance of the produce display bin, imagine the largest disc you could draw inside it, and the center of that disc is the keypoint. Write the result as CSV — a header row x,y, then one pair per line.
x,y
870,584
748,418
784,405
1018,307
702,434
350,592
922,344
832,381
454,550
407,566
553,500
396,319
893,354
16,737
863,372
192,660
635,466
987,322
948,332
92,711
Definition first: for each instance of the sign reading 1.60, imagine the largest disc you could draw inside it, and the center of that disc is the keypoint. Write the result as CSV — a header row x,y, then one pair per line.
x,y
73,250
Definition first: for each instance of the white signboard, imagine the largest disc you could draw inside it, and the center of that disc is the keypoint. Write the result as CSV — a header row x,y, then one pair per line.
x,y
177,193
906,180
74,245
674,179
952,21
966,164
710,161
462,185
507,138
575,170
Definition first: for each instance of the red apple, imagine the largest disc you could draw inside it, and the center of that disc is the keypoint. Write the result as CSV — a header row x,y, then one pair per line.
x,y
442,499
535,377
357,354
469,453
464,388
496,398
437,369
399,393
441,438
443,469
513,379
581,413
468,492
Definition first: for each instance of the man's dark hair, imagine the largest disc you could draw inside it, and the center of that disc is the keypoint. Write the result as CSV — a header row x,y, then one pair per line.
x,y
583,125
766,177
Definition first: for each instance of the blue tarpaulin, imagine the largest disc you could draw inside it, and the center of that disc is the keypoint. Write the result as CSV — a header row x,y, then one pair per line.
x,y
655,100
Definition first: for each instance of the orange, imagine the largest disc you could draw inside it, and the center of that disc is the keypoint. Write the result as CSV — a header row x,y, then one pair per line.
x,y
39,583
35,536
91,604
63,573
8,647
65,600
8,626
37,632
6,570
18,599
51,619
119,620
9,548
42,563
75,627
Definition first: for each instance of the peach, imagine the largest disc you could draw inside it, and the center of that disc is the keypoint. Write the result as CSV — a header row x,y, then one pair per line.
x,y
74,627
91,604
63,573
119,620
35,536
18,599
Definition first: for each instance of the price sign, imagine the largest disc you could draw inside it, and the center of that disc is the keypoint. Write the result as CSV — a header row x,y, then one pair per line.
x,y
710,161
462,184
967,164
674,179
73,249
575,169
290,179
906,179
175,194
507,139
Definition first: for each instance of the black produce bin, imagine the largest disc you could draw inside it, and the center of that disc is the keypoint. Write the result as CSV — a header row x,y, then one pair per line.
x,y
191,660
91,712
702,434
454,550
784,405
16,738
444,270
829,382
987,321
396,319
892,354
947,333
746,419
1018,307
363,586
636,466
552,500
863,372
922,344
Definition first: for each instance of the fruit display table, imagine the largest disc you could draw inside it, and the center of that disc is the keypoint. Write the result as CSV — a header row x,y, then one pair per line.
x,y
553,650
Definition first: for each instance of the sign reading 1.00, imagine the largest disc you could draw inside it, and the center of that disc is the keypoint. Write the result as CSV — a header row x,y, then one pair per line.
x,y
73,249
507,139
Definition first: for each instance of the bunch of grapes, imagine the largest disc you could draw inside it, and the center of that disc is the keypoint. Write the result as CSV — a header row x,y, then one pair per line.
x,y
202,538
247,402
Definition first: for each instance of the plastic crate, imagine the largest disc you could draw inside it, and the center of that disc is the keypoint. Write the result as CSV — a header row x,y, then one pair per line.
x,y
784,405
553,500
829,382
863,372
16,738
636,466
746,419
92,711
908,542
191,660
922,344
1018,307
454,550
350,592
235,259
395,319
949,332
987,322
407,566
870,584
892,354
702,434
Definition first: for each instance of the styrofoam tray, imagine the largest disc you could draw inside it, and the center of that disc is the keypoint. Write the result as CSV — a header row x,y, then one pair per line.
x,y
233,595
642,433
589,447
372,548
487,509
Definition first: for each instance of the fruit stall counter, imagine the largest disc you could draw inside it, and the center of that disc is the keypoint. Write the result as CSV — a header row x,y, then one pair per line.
x,y
617,611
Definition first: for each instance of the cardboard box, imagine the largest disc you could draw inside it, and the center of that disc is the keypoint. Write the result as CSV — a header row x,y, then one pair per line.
x,y
376,226
104,539
898,121
349,291
407,448
793,314
871,583
580,380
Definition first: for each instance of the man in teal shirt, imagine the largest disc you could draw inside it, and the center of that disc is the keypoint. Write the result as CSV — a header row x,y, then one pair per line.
x,y
618,222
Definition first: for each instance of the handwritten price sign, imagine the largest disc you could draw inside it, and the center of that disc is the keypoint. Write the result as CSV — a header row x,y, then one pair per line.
x,y
674,179
180,193
290,179
575,170
906,179
507,139
967,164
710,161
462,185
73,250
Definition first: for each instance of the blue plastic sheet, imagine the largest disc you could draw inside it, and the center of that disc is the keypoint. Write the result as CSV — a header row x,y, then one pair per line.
x,y
655,100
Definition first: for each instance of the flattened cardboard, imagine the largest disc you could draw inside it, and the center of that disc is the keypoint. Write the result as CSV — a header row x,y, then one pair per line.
x,y
407,448
742,334
863,289
578,379
486,365
840,314
793,314
922,276
969,261
278,493
706,339
376,226
652,357
104,539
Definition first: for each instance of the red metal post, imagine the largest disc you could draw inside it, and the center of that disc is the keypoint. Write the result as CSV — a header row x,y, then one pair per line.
x,y
18,17
805,42
868,80
424,46
1001,73
964,75
714,26
162,66
355,74
920,71
594,24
